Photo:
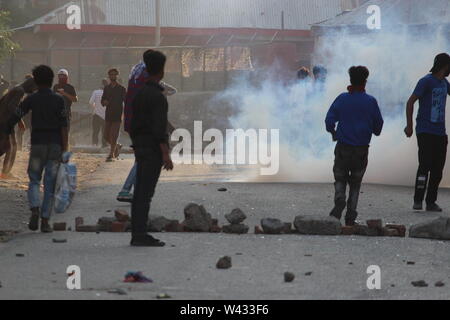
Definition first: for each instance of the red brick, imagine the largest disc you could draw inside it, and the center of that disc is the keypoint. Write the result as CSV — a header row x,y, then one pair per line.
x,y
87,228
375,224
79,221
390,232
258,230
400,228
215,229
118,226
59,226
173,226
348,230
122,215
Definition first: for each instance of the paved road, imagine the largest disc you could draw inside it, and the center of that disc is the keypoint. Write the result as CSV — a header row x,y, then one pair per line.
x,y
185,268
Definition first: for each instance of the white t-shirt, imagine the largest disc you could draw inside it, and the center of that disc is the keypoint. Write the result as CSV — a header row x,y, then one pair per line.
x,y
96,100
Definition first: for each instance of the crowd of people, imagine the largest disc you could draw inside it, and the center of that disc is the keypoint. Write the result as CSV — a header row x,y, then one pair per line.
x,y
143,107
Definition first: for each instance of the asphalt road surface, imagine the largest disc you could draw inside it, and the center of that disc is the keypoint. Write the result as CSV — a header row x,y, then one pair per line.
x,y
325,267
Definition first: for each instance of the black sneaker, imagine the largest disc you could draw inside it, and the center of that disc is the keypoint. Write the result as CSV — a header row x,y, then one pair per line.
x,y
33,225
146,241
418,206
45,226
433,208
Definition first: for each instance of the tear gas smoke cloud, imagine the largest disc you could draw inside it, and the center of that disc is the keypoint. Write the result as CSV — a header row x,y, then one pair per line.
x,y
396,60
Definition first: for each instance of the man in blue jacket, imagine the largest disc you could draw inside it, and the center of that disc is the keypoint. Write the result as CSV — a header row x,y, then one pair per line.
x,y
358,117
431,91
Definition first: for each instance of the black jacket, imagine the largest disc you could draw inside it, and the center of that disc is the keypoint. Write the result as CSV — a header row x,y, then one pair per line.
x,y
149,121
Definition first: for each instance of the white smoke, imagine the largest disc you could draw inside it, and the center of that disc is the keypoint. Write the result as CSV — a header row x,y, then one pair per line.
x,y
396,60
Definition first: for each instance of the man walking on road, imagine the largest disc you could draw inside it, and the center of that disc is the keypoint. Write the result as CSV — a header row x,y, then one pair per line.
x,y
358,117
150,142
431,91
98,118
49,140
113,99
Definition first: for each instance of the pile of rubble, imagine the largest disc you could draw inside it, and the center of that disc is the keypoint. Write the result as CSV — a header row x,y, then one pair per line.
x,y
198,219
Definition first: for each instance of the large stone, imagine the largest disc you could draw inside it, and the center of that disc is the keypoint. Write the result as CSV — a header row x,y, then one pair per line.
x,y
235,228
236,216
436,229
224,263
197,219
317,225
158,223
272,226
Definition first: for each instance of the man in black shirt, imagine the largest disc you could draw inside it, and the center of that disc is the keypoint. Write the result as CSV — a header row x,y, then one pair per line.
x,y
67,91
113,99
150,142
49,140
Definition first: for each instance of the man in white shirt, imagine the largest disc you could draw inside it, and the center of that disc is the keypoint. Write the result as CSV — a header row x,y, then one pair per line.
x,y
98,118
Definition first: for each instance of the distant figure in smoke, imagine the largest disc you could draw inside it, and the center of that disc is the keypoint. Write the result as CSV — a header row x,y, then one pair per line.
x,y
431,91
358,117
320,74
303,74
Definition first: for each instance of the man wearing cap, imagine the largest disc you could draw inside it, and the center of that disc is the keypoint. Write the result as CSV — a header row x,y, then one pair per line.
x,y
431,91
67,91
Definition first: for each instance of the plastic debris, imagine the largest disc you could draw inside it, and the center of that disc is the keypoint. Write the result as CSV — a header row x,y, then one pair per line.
x,y
133,276
163,296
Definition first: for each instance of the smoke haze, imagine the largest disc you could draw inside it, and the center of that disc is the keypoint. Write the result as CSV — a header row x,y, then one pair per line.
x,y
396,60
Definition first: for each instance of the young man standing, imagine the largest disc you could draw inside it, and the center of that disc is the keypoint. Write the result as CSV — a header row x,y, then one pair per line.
x,y
150,142
49,140
98,118
113,99
67,91
431,91
358,117
8,105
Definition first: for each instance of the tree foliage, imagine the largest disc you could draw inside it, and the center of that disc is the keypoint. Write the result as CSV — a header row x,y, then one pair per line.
x,y
7,44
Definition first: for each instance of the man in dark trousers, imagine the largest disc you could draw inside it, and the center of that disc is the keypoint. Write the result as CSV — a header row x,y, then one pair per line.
x,y
49,140
150,142
69,94
358,117
431,91
113,100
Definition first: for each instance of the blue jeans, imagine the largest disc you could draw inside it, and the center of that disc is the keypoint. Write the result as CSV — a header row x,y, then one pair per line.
x,y
43,158
131,179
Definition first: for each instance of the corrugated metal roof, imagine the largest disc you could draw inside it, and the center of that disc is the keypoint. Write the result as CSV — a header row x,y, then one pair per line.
x,y
395,12
263,14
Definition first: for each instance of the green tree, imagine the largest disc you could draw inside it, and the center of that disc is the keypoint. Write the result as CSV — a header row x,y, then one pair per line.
x,y
7,44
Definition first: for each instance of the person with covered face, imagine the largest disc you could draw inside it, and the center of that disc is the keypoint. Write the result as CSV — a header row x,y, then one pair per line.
x,y
431,91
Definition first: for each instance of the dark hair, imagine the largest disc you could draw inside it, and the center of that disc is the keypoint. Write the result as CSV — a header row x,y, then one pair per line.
x,y
440,62
155,61
113,70
43,76
358,75
303,73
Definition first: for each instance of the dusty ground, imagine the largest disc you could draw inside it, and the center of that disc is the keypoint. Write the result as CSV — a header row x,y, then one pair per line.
x,y
14,210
